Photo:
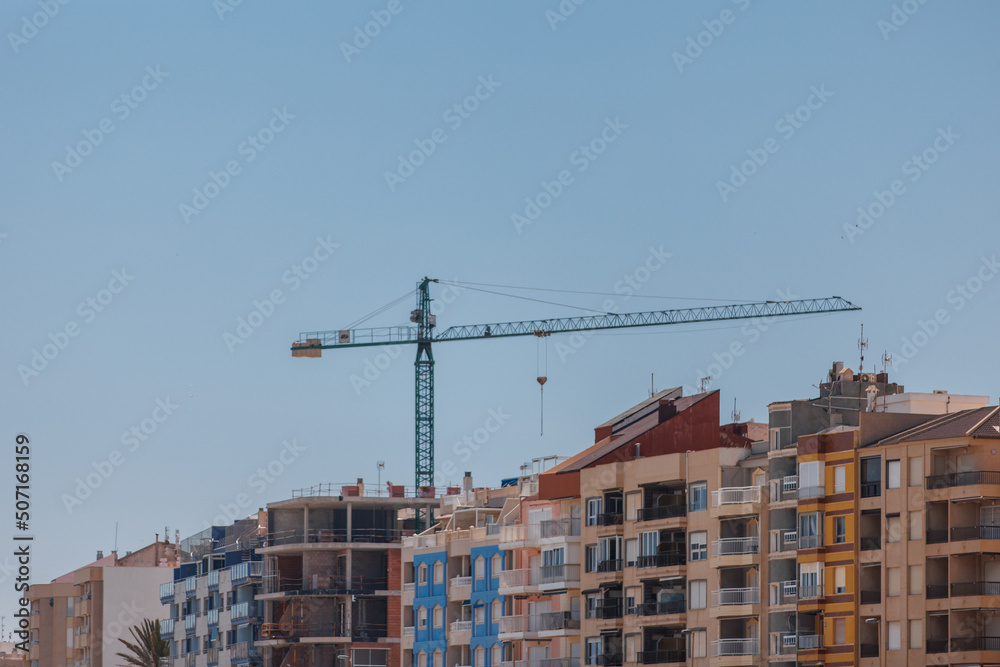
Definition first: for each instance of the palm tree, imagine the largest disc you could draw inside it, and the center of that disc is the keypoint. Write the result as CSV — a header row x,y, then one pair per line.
x,y
148,648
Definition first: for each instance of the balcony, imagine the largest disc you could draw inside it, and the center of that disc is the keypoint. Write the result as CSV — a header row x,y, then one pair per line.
x,y
609,565
937,592
811,592
969,478
869,650
736,546
810,642
937,537
784,592
936,646
815,491
871,489
610,660
213,580
242,612
340,536
457,582
660,607
810,541
556,528
191,586
462,626
735,500
213,617
513,582
189,622
408,631
166,628
872,597
662,512
243,572
963,533
555,621
735,596
212,655
242,652
975,644
961,589
870,543
560,576
606,609
166,592
609,519
669,559
660,657
734,647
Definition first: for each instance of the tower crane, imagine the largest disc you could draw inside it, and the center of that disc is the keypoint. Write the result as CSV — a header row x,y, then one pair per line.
x,y
422,334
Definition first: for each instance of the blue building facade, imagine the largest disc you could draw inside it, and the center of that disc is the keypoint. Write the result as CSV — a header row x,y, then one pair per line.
x,y
430,604
487,605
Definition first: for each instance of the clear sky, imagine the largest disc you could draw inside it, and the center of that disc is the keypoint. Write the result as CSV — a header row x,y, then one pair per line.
x,y
167,167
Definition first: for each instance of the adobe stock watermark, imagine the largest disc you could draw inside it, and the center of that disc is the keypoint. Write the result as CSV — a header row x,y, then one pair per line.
x,y
377,364
562,12
257,482
223,7
704,39
294,277
914,167
467,445
131,440
726,359
958,298
364,34
30,26
248,149
899,17
129,614
122,107
629,285
454,116
786,126
87,310
581,158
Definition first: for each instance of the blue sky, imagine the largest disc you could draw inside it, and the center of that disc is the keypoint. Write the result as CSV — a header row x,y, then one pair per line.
x,y
288,135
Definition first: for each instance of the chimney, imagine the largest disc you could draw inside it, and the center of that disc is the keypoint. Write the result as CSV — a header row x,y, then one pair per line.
x,y
667,409
361,486
637,446
602,432
100,555
467,481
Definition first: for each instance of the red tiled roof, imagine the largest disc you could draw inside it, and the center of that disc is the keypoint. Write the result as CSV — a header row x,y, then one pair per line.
x,y
976,423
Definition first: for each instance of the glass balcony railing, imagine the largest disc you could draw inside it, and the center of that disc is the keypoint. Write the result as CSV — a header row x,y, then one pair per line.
x,y
731,647
968,478
166,590
736,546
735,596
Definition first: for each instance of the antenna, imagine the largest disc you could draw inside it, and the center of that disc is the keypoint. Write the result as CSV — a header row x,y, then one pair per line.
x,y
652,387
862,344
736,414
381,466
116,539
703,384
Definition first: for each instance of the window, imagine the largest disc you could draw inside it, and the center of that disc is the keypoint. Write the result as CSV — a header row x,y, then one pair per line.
x,y
421,659
840,631
593,651
422,574
550,557
699,643
422,618
591,558
480,657
496,612
839,529
610,551
369,657
480,567
438,621
439,572
810,536
650,542
892,474
916,472
894,638
916,579
632,502
590,602
892,581
840,581
496,565
871,477
699,497
811,581
479,615
631,594
811,475
699,545
892,528
916,525
631,546
593,510
699,594
437,658
775,438
840,479
916,634
497,654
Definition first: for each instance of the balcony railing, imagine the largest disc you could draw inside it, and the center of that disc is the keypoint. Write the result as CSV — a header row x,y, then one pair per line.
x,y
212,655
736,546
554,574
243,611
213,579
189,622
248,569
191,586
555,620
872,597
462,626
166,590
735,596
937,592
669,559
810,541
869,650
660,607
166,627
975,644
961,533
609,519
959,589
515,578
242,651
411,587
735,495
609,566
814,491
810,592
962,479
807,642
871,489
727,647
336,535
937,646
552,528
662,512
213,617
610,660
609,609
871,543
408,630
784,592
461,581
937,536
660,657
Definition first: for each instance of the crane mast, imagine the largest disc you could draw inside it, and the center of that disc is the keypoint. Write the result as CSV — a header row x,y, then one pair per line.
x,y
311,344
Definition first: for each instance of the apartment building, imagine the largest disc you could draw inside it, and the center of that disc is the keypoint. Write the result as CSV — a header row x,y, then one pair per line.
x,y
332,575
213,619
78,618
